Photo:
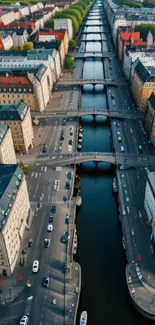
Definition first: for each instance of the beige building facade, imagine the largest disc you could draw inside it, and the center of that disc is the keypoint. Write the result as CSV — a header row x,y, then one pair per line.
x,y
14,211
18,118
7,151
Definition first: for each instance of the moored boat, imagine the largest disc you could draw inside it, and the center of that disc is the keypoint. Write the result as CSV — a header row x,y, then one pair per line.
x,y
83,318
78,201
114,185
79,146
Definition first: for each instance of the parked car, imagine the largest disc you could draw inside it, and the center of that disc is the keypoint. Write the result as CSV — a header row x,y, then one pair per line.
x,y
45,282
24,251
30,242
22,261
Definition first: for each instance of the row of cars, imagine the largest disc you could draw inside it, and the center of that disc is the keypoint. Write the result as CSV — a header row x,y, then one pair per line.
x,y
47,241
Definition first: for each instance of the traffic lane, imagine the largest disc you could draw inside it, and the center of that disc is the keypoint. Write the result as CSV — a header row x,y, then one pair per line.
x,y
113,98
122,145
126,98
10,314
139,232
56,287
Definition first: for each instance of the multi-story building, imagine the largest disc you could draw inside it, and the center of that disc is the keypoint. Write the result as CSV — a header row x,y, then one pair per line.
x,y
149,201
14,212
18,118
64,24
124,39
142,84
7,151
48,35
129,17
30,84
6,41
150,118
54,44
20,36
131,54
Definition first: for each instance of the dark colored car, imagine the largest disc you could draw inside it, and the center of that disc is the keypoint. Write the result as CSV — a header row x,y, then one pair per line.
x,y
47,242
50,218
68,185
62,137
45,282
70,141
30,242
24,251
22,261
53,209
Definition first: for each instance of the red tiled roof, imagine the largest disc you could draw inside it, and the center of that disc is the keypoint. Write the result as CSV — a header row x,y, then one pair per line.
x,y
15,81
58,35
126,36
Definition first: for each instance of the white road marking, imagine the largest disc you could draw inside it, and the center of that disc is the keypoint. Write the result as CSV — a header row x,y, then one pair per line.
x,y
36,174
32,174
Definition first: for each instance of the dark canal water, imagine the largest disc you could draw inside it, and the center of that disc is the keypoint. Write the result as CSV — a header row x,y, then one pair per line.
x,y
104,294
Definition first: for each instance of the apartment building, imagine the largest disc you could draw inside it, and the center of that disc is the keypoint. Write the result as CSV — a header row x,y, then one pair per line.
x,y
131,54
6,41
64,24
7,151
14,212
30,84
150,118
18,118
149,201
49,57
142,84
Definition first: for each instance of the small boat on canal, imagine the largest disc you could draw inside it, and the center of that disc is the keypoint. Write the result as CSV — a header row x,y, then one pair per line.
x,y
83,318
78,201
114,185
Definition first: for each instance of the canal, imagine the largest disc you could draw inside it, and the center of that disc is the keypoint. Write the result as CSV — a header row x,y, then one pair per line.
x,y
103,293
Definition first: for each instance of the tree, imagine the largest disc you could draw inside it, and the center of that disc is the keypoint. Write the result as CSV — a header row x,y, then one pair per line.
x,y
69,60
73,43
144,30
27,46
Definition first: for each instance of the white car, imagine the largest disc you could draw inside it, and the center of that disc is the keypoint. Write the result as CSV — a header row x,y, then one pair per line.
x,y
132,290
24,320
122,148
50,228
35,266
129,280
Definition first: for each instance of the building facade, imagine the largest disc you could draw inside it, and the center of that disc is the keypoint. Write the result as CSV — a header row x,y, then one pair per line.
x,y
150,118
14,211
65,24
149,202
142,84
7,151
147,57
33,87
18,118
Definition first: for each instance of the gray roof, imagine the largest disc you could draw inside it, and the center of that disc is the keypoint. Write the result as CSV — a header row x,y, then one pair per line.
x,y
3,131
10,179
151,100
13,112
145,73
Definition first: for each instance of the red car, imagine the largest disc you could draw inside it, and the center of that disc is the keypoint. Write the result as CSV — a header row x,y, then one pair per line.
x,y
139,257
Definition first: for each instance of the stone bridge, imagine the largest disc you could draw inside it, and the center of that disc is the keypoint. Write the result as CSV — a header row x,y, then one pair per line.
x,y
62,159
82,82
78,113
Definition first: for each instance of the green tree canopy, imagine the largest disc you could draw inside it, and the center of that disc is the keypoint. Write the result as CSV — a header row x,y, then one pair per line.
x,y
144,29
27,46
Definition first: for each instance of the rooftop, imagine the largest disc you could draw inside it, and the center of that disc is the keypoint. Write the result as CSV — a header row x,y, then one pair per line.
x,y
145,73
152,102
3,131
13,112
10,178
